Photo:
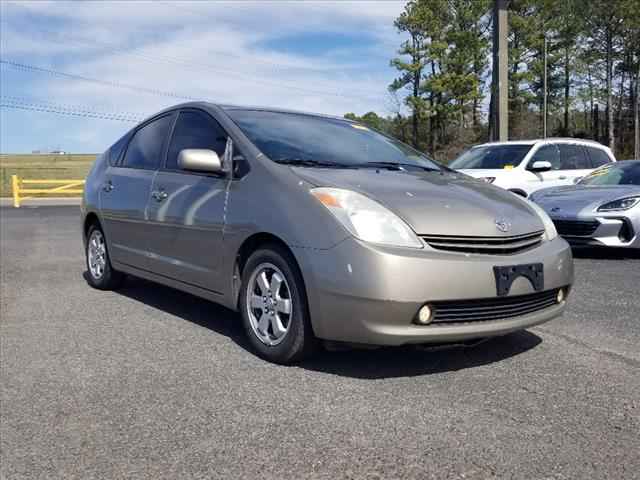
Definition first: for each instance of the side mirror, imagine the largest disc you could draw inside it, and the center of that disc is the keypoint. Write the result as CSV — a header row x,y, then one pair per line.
x,y
541,166
199,160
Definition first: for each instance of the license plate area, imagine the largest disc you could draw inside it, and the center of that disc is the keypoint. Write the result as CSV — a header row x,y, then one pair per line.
x,y
507,274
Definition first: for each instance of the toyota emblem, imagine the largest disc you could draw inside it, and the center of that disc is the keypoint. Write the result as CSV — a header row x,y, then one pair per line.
x,y
503,225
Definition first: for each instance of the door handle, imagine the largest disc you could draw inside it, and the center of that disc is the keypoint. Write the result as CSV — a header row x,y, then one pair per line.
x,y
159,195
562,177
108,186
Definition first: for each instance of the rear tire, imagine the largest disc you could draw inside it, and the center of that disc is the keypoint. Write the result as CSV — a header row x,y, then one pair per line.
x,y
273,305
101,274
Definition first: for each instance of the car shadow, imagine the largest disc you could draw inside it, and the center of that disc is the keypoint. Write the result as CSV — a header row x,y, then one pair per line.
x,y
180,304
411,361
604,253
386,362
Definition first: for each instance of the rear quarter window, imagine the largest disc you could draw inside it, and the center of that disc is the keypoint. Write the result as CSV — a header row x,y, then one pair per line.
x,y
115,151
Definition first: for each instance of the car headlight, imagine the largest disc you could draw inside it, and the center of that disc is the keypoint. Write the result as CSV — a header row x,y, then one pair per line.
x,y
366,219
620,204
549,227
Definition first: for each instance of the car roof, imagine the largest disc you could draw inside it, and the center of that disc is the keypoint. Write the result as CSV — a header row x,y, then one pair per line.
x,y
256,108
547,141
229,107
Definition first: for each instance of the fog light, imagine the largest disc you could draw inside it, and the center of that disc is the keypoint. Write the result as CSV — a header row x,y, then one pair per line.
x,y
561,295
424,315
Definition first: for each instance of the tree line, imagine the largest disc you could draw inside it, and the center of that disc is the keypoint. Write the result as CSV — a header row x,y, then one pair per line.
x,y
440,97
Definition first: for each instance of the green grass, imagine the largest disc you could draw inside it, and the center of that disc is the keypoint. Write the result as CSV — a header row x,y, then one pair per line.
x,y
34,167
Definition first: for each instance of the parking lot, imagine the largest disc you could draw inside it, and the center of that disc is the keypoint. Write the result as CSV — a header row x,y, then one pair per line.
x,y
148,382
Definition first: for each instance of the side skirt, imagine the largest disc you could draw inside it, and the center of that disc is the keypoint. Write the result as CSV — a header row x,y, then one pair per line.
x,y
177,284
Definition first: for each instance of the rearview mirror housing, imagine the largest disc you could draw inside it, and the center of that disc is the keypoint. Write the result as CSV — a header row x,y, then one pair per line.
x,y
199,160
541,166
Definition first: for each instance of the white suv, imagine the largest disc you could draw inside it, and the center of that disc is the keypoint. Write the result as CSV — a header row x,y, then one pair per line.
x,y
529,165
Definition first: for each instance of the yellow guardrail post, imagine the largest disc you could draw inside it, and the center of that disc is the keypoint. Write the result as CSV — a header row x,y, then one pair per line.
x,y
15,188
55,186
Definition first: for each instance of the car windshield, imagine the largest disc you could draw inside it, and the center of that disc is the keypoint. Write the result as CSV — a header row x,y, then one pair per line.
x,y
314,141
621,173
491,157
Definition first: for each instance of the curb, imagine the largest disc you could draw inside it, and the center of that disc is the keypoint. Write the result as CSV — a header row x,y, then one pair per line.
x,y
42,202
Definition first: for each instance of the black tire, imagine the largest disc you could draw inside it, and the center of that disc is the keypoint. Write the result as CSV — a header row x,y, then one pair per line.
x,y
110,279
299,341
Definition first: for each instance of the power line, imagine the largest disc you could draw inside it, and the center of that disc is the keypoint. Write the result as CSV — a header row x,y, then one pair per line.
x,y
61,106
33,68
69,110
35,108
275,66
200,66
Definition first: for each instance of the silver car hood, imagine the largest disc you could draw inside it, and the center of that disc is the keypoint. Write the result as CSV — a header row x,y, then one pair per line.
x,y
435,203
574,199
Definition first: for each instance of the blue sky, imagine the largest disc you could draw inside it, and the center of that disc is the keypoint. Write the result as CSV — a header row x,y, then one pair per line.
x,y
325,56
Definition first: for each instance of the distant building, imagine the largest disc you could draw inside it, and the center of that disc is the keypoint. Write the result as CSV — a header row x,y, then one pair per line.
x,y
48,152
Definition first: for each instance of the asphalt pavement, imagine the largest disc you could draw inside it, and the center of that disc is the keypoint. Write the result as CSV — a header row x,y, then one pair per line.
x,y
148,382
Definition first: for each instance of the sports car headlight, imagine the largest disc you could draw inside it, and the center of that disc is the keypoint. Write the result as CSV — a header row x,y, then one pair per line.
x,y
366,219
549,227
620,204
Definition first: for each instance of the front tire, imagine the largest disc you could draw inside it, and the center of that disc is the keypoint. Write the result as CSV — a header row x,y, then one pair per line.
x,y
101,274
273,305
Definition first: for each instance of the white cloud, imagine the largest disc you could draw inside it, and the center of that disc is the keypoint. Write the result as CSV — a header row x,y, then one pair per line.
x,y
212,50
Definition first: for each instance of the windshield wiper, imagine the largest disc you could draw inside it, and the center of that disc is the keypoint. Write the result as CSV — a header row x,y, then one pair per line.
x,y
306,162
397,166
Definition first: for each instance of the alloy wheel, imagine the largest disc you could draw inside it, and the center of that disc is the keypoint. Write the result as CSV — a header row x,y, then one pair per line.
x,y
269,304
97,254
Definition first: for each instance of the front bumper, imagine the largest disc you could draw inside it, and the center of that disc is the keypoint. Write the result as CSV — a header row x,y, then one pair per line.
x,y
369,294
613,230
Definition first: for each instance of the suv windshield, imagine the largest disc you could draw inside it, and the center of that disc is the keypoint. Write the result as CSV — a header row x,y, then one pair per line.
x,y
314,141
617,174
491,157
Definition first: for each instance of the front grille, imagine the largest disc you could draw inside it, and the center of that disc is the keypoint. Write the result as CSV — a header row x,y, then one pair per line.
x,y
491,308
576,228
485,245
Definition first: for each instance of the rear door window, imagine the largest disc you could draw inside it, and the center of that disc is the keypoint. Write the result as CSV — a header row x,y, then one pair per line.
x,y
598,157
573,157
147,145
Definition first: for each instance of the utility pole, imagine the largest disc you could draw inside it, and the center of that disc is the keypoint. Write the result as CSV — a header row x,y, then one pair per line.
x,y
500,73
545,94
636,111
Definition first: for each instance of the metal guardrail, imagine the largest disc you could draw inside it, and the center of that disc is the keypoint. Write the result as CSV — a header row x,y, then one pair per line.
x,y
56,186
